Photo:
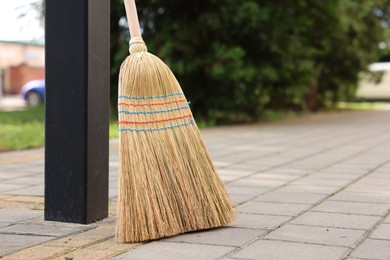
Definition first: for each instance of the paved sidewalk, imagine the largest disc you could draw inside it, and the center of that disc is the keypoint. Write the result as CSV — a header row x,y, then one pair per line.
x,y
317,187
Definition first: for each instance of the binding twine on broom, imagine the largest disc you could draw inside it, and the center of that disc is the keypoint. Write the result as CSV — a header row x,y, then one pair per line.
x,y
167,183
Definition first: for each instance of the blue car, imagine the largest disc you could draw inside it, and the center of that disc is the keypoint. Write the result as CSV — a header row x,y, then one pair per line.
x,y
34,92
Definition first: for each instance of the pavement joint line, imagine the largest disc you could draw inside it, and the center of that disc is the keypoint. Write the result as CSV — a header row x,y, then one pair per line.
x,y
366,258
200,243
320,201
345,213
279,202
306,243
308,225
269,215
27,234
378,203
365,236
381,239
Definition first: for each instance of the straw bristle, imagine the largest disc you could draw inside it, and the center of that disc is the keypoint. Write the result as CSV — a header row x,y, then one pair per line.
x,y
167,184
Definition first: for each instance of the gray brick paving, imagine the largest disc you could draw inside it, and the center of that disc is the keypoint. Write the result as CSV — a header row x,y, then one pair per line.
x,y
221,236
337,220
291,197
382,232
282,250
11,243
17,215
175,251
373,249
361,197
271,208
308,188
317,235
39,230
353,208
259,221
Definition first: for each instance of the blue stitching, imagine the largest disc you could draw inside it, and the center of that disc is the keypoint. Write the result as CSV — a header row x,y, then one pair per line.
x,y
190,122
152,112
151,97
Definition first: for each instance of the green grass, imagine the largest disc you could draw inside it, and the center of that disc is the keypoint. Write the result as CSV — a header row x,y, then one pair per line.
x,y
25,129
359,105
22,129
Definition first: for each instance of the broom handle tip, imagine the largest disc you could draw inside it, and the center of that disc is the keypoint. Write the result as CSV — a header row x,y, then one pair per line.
x,y
132,18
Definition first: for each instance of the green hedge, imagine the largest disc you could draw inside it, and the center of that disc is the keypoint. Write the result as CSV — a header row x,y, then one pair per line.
x,y
238,59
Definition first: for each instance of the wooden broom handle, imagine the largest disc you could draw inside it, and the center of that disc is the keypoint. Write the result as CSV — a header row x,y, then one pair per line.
x,y
132,18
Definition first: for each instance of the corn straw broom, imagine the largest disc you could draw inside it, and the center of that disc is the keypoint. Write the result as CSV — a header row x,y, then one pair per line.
x,y
167,184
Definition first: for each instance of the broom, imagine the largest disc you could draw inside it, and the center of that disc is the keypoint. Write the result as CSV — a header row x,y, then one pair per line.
x,y
167,183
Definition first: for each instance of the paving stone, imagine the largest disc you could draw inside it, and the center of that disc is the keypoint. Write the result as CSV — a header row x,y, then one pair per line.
x,y
36,190
335,176
11,243
313,180
280,250
40,221
6,187
111,245
27,181
382,232
35,229
239,199
86,253
275,176
377,188
234,172
248,167
373,249
244,190
84,238
271,208
17,215
259,221
33,199
336,220
5,224
309,189
353,208
171,251
361,197
228,178
317,235
226,236
37,252
255,182
291,197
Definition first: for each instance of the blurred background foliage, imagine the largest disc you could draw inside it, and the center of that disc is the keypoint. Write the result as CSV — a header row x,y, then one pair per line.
x,y
238,60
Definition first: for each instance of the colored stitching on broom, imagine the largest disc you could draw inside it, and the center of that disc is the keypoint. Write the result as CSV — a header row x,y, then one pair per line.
x,y
151,97
190,122
154,121
153,112
152,104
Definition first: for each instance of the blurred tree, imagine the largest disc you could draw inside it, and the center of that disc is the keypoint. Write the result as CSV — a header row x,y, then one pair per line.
x,y
236,59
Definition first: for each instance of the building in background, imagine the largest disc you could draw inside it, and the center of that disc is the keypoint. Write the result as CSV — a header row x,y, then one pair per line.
x,y
380,90
20,62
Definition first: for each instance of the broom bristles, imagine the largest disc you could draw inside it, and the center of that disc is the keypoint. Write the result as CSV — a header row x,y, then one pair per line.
x,y
167,184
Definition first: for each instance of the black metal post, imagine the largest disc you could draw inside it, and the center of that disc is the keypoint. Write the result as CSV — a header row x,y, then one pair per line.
x,y
77,110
